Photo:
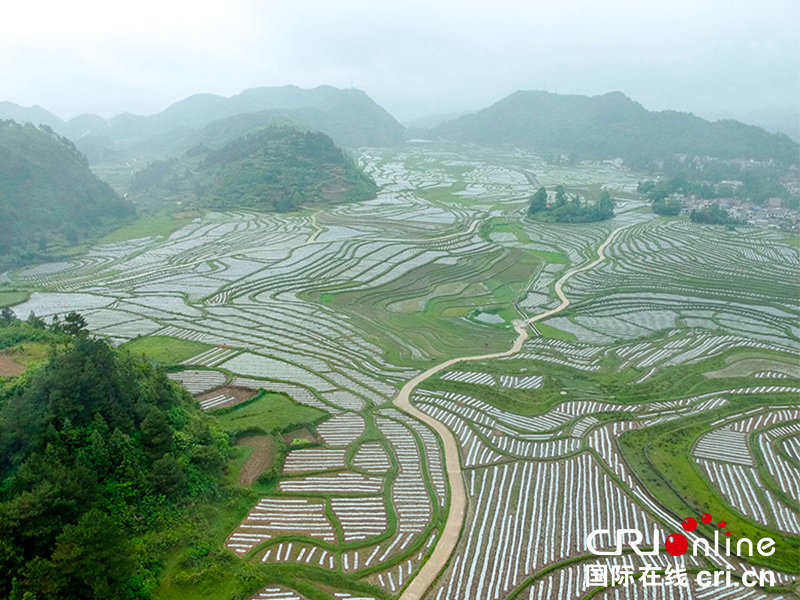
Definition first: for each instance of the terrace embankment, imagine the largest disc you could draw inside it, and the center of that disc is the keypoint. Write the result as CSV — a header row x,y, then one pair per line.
x,y
458,501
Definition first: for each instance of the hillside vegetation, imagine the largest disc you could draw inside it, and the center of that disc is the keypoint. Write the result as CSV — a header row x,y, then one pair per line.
x,y
612,126
48,195
277,168
100,455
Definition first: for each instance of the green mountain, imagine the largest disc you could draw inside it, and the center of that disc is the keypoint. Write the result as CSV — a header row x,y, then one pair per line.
x,y
47,193
275,168
612,126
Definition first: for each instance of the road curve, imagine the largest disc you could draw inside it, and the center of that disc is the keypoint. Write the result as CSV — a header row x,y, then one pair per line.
x,y
458,499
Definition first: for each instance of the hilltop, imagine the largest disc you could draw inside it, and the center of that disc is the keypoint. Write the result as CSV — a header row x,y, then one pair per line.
x,y
275,168
48,195
611,126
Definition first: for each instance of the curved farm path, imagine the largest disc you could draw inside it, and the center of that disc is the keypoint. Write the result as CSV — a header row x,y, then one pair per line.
x,y
458,499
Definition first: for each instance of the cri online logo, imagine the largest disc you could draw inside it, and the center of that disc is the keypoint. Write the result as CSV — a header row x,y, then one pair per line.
x,y
677,544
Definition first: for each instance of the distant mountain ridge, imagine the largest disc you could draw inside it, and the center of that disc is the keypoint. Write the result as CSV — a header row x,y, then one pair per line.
x,y
610,126
349,116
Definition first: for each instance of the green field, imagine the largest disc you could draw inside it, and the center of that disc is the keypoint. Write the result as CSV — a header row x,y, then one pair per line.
x,y
166,350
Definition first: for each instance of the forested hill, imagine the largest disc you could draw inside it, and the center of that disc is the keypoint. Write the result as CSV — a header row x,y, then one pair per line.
x,y
612,126
48,195
277,168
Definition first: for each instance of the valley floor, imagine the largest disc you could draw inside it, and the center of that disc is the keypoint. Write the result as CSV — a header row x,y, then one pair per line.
x,y
490,389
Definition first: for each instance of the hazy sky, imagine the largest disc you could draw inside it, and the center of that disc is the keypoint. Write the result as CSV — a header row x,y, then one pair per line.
x,y
413,57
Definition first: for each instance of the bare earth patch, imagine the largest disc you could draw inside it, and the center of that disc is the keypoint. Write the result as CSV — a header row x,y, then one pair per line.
x,y
303,433
262,455
10,368
749,366
235,395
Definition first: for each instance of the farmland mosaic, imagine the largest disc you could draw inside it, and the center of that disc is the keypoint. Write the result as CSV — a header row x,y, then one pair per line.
x,y
654,372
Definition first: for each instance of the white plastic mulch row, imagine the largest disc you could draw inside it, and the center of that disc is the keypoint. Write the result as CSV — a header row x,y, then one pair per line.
x,y
279,516
342,430
216,401
340,483
409,493
211,358
372,458
197,382
313,459
360,518
725,444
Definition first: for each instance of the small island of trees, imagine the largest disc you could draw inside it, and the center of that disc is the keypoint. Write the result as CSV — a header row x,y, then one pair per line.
x,y
563,209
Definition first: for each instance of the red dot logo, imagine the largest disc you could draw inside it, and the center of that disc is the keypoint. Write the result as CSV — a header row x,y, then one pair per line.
x,y
676,544
706,518
689,524
721,524
728,533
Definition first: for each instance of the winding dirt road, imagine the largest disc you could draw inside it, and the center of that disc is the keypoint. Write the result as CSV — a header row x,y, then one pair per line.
x,y
458,499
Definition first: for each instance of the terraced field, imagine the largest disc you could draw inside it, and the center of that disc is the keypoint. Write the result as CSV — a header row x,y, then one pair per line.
x,y
584,405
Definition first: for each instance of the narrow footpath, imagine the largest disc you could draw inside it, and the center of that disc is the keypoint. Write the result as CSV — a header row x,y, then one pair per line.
x,y
458,498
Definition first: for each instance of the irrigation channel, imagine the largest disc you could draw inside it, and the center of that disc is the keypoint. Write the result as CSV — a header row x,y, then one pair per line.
x,y
458,499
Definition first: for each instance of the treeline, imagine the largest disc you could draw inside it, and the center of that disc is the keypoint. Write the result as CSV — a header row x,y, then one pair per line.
x,y
99,453
563,209
713,214
48,195
275,169
717,179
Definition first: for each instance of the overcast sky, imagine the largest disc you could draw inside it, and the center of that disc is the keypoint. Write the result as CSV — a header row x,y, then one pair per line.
x,y
413,57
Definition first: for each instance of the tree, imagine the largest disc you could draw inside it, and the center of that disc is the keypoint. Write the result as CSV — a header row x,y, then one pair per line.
x,y
74,324
7,316
605,205
561,196
538,201
35,322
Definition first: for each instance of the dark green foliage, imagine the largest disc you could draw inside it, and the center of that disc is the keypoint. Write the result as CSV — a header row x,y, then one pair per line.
x,y
566,210
95,448
47,191
275,169
611,126
667,207
538,201
714,214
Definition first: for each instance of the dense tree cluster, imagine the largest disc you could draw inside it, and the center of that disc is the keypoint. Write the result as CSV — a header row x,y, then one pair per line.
x,y
564,209
713,214
277,168
48,194
717,179
97,450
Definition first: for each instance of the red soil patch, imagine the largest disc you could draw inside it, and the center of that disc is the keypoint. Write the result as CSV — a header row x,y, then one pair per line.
x,y
10,368
262,455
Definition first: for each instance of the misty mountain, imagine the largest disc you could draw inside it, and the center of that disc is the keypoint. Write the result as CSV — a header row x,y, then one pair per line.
x,y
47,192
611,126
349,116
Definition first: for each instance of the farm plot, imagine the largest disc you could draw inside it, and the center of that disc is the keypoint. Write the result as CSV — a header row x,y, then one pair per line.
x,y
522,522
741,291
197,382
313,459
372,458
279,516
726,458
